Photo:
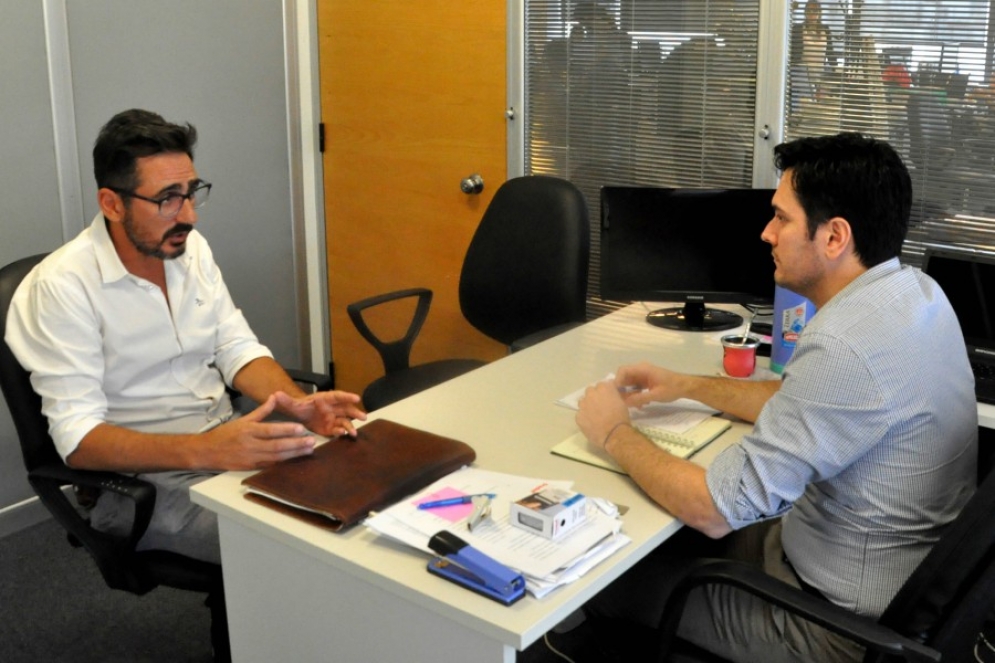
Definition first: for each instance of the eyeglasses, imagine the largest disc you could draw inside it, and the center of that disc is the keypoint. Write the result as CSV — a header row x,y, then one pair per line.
x,y
171,204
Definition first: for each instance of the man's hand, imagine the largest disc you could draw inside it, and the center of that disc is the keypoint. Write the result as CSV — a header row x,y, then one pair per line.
x,y
606,405
245,443
674,483
600,410
249,442
645,383
328,413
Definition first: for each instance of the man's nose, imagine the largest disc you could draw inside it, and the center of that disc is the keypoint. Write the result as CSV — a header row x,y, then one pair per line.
x,y
187,213
768,235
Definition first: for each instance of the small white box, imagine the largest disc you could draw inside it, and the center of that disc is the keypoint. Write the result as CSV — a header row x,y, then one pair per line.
x,y
550,512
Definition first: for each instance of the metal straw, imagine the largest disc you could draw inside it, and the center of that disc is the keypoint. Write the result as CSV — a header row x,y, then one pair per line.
x,y
746,334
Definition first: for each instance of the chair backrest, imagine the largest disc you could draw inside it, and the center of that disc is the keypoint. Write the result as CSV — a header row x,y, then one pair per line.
x,y
25,405
949,595
526,267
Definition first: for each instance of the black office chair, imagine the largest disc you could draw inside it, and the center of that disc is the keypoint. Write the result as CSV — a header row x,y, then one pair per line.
x,y
939,611
121,566
524,279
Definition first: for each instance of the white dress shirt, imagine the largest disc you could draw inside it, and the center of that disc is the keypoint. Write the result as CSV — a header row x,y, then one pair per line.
x,y
104,346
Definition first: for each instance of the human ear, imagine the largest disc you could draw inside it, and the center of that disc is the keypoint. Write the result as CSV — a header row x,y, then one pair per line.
x,y
839,237
110,204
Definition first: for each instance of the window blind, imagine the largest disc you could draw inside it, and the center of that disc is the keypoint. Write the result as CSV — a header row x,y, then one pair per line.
x,y
919,75
646,92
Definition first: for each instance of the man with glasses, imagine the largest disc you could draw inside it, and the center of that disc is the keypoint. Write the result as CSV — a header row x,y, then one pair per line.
x,y
130,336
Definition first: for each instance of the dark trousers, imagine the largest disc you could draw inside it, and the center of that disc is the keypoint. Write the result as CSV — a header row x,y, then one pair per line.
x,y
720,619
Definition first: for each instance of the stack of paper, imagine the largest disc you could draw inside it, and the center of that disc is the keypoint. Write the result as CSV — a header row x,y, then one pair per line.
x,y
545,564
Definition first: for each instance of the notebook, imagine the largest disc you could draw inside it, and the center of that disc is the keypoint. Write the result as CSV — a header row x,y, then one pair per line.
x,y
684,444
968,279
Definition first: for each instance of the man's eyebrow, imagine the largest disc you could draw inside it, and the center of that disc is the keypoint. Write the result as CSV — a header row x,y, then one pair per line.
x,y
178,186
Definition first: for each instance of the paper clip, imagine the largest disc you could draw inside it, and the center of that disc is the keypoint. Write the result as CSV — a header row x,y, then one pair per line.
x,y
463,564
481,510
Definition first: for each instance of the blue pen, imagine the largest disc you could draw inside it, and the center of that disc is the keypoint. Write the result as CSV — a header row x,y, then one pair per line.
x,y
452,501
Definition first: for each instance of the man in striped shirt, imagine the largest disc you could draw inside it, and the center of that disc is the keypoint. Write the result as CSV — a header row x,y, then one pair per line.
x,y
859,456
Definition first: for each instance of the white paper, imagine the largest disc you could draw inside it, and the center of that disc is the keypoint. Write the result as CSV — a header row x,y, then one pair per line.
x,y
545,564
540,588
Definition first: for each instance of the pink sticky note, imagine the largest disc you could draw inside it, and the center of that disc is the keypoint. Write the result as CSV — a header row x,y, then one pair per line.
x,y
454,513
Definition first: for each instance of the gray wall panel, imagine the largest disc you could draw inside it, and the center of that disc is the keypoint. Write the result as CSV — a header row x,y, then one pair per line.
x,y
30,217
220,66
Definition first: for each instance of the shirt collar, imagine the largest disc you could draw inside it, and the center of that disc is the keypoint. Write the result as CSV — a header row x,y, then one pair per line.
x,y
878,271
108,261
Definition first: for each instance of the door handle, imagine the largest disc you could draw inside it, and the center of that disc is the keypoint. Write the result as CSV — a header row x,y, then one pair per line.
x,y
473,184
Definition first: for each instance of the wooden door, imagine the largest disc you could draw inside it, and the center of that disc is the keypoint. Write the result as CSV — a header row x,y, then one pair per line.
x,y
413,99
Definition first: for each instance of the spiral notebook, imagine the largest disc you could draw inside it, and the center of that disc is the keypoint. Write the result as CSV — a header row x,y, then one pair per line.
x,y
684,444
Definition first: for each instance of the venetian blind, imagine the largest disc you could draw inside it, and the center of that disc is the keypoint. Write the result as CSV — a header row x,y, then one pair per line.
x,y
917,74
640,92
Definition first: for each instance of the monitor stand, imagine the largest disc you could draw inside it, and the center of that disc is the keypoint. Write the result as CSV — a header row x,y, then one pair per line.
x,y
694,316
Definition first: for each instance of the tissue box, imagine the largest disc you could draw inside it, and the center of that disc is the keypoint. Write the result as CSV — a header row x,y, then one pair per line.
x,y
550,513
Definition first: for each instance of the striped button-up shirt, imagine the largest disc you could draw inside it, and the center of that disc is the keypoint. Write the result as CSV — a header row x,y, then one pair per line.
x,y
870,446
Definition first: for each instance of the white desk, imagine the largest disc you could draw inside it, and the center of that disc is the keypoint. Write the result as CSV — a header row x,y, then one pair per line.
x,y
299,593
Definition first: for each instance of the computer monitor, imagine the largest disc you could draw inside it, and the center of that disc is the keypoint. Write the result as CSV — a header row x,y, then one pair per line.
x,y
696,246
968,279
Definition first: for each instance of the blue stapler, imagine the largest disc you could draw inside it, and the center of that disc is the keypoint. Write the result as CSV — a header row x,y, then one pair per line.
x,y
461,563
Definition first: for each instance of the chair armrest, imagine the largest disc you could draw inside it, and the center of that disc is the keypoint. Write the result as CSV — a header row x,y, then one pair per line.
x,y
320,381
394,354
48,480
753,580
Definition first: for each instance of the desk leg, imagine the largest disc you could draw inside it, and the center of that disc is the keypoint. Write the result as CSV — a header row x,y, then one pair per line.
x,y
284,605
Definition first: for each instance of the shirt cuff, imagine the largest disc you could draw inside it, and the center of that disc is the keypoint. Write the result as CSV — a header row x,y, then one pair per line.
x,y
723,480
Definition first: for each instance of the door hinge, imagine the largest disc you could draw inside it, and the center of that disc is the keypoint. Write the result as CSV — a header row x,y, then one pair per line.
x,y
321,137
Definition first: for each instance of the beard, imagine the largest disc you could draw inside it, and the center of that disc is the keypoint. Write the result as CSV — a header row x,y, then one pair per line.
x,y
155,249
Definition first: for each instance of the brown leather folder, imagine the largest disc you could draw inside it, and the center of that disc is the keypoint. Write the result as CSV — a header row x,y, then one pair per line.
x,y
345,478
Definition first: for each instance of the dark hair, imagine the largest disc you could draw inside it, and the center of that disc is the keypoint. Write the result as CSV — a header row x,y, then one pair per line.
x,y
855,177
131,135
